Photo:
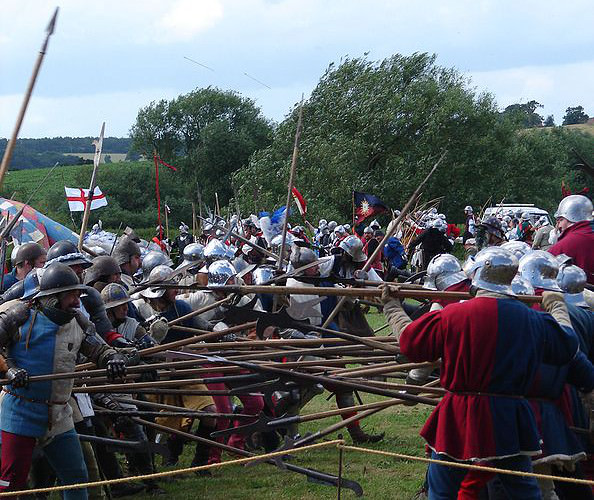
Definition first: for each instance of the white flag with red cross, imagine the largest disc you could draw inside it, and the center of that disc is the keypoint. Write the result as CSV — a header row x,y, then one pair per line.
x,y
78,197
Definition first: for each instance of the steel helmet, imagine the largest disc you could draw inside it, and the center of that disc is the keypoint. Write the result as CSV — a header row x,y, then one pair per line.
x,y
114,295
332,224
353,246
521,287
276,242
374,224
540,269
493,226
518,248
217,250
526,216
322,223
572,280
58,278
575,208
443,271
339,229
220,272
493,269
103,266
151,260
125,249
368,230
263,275
67,252
563,259
183,228
301,256
28,252
160,274
468,208
193,254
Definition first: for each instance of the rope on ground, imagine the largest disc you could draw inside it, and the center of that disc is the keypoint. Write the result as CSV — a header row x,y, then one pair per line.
x,y
156,475
462,465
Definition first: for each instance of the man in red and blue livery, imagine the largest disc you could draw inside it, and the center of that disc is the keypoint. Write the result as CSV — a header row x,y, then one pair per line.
x,y
490,347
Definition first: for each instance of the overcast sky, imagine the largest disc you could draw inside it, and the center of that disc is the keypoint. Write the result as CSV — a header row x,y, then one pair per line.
x,y
109,58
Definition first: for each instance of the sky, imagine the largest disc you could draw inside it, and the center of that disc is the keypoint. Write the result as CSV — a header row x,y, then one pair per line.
x,y
108,59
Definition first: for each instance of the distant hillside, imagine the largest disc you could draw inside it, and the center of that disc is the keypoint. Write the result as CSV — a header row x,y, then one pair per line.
x,y
588,128
45,152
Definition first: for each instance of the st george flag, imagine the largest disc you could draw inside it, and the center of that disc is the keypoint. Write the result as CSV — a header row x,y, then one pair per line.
x,y
77,199
299,201
366,205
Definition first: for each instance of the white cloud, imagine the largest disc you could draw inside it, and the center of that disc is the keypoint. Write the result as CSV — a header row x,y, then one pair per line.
x,y
186,18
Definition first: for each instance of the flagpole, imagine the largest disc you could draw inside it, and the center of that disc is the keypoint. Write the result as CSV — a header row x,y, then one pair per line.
x,y
157,194
96,160
12,142
166,221
291,182
353,198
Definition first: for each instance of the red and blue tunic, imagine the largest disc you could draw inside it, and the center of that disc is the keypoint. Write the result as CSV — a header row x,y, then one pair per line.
x,y
577,241
490,349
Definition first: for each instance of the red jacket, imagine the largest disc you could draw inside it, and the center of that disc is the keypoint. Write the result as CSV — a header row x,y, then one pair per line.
x,y
577,242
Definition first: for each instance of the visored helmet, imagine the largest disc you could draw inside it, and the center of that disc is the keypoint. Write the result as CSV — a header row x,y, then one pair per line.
x,y
493,269
162,275
151,260
58,278
103,266
217,250
521,287
114,295
575,208
540,269
443,271
572,280
220,272
67,252
518,248
353,246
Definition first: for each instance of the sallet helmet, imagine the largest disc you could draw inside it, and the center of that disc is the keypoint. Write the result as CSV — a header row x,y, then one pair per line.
x,y
575,208
521,287
301,256
572,280
67,252
518,248
114,295
540,269
58,278
220,272
151,260
160,274
217,250
493,269
263,275
353,246
443,271
103,265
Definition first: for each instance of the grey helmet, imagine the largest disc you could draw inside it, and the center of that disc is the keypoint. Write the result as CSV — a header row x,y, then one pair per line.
x,y
540,269
517,247
159,274
103,266
468,209
217,250
276,242
493,269
125,249
262,275
183,228
353,246
443,271
114,295
193,254
521,287
563,259
575,208
58,278
220,272
332,225
368,230
28,252
151,260
572,280
301,256
322,223
67,252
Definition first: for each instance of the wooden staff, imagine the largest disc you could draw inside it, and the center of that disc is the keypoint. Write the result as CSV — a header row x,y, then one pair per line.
x,y
96,161
389,233
12,142
383,368
139,386
200,311
291,183
163,406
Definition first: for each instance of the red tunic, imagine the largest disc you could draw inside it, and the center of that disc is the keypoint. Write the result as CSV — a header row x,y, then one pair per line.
x,y
577,241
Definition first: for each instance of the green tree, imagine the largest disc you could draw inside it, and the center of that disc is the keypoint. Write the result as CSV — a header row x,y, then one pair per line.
x,y
526,113
550,121
379,126
207,133
575,115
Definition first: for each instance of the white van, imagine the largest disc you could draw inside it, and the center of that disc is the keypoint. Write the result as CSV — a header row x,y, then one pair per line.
x,y
515,208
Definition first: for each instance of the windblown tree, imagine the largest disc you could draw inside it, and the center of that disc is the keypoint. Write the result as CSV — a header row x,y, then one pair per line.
x,y
379,126
207,134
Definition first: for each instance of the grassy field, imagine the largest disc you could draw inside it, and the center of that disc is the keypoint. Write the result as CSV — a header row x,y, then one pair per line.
x,y
380,477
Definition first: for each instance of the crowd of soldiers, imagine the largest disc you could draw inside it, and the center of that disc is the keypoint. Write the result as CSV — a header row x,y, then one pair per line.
x,y
518,378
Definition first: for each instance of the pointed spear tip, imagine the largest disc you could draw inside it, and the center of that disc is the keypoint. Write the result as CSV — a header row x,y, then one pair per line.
x,y
52,24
